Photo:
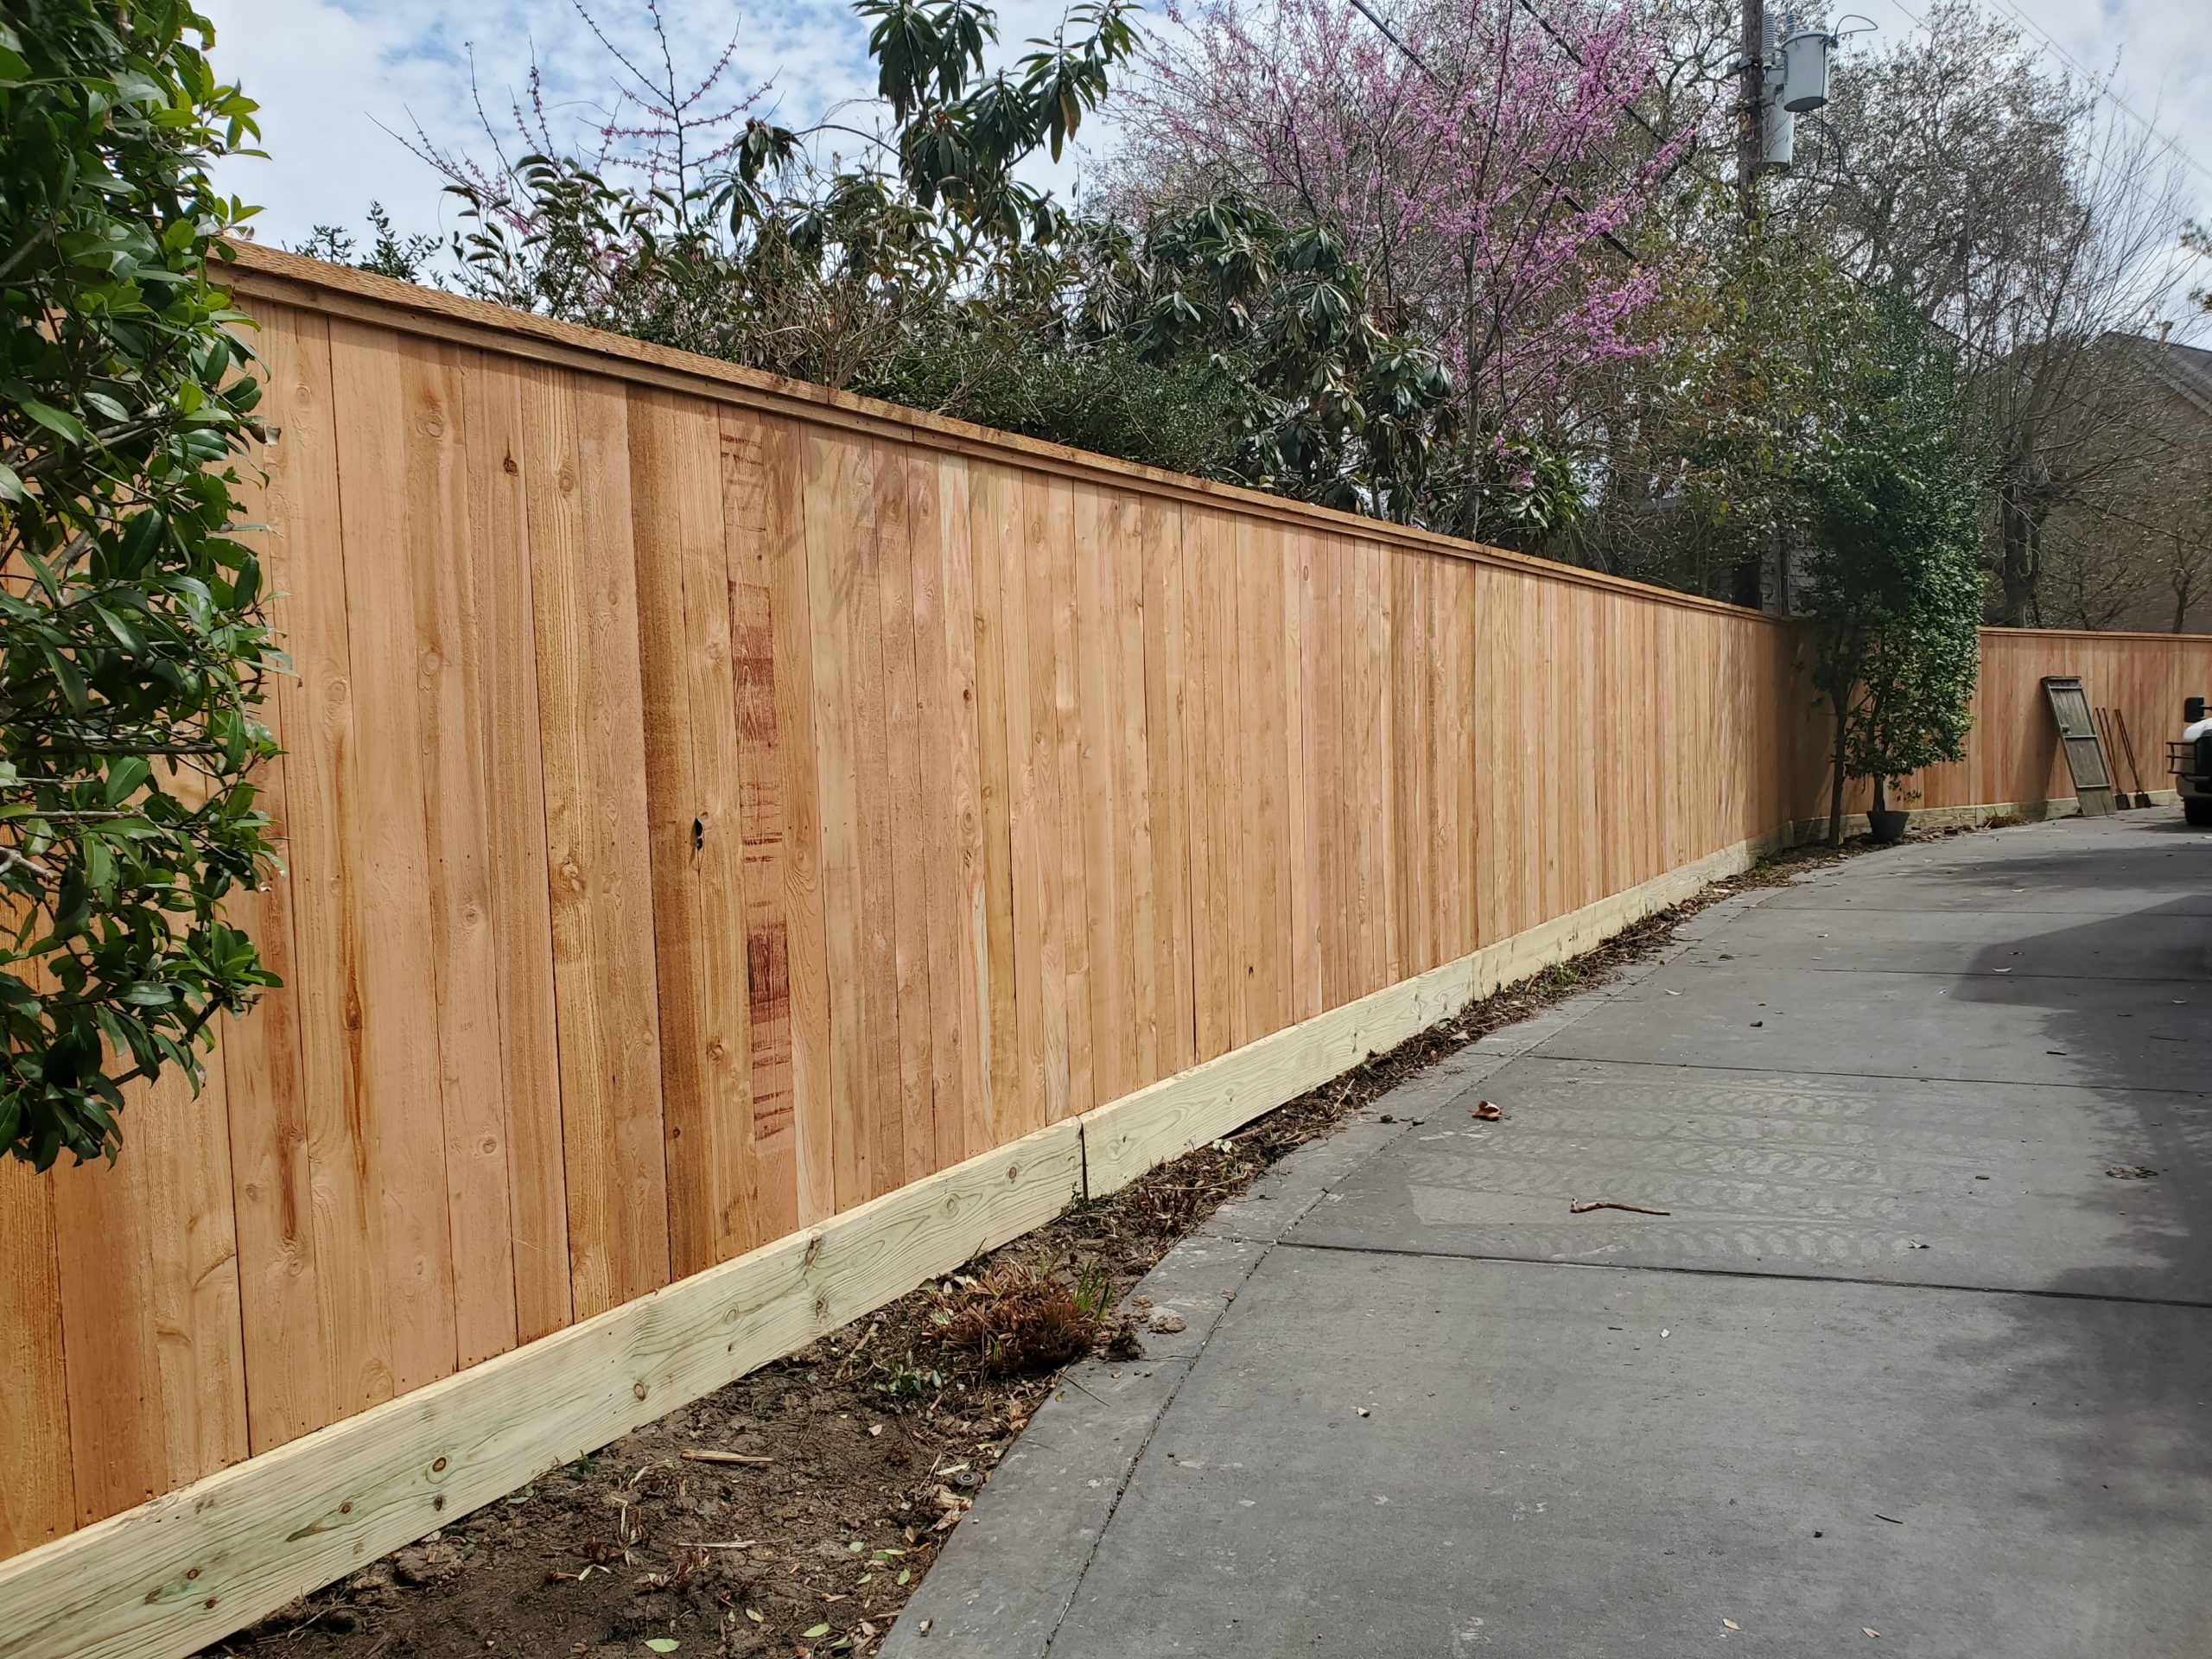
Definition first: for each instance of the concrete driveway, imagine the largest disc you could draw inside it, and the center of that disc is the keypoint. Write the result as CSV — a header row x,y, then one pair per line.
x,y
1915,1364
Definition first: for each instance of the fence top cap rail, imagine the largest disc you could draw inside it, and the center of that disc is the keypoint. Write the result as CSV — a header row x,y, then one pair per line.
x,y
264,273
2100,633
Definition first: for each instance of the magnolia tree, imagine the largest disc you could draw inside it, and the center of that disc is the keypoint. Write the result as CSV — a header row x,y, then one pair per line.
x,y
1489,171
1895,590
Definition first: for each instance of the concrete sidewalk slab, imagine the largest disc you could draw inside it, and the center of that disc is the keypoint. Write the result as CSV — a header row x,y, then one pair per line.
x,y
1607,1433
1762,1017
1563,1462
1995,1185
2109,866
2156,946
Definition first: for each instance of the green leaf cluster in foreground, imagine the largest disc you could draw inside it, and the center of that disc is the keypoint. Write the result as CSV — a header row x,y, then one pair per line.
x,y
133,649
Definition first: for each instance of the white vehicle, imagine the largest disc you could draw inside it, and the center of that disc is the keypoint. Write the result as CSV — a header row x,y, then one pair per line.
x,y
2190,759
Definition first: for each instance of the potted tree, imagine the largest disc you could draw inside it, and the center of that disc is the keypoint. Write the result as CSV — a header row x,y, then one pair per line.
x,y
1894,588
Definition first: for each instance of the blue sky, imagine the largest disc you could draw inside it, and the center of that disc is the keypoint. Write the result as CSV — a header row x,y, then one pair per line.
x,y
332,75
337,77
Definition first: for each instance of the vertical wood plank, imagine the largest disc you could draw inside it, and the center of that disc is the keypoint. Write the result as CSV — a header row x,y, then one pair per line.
x,y
1254,889
317,706
1366,638
1614,668
694,778
1414,715
765,982
1055,547
1532,734
1096,804
289,1377
1588,811
1455,755
1167,670
1492,671
139,1340
38,1499
997,632
1039,861
453,730
838,497
401,1105
199,1346
784,873
1388,626
1301,807
944,646
1242,835
1330,771
518,879
583,569
104,1243
1469,795
907,520
1207,780
1133,872
1273,664
1040,992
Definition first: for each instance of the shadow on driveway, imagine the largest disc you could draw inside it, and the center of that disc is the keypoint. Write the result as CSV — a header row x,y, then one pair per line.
x,y
2122,1400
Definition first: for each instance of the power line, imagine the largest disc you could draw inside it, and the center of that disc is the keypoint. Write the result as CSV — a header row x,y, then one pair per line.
x,y
2102,86
1574,52
1565,194
2105,90
1690,149
1988,356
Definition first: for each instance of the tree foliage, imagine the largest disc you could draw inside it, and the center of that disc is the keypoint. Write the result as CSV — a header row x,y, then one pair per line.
x,y
405,257
1895,585
1704,443
701,224
1216,339
132,648
1334,408
2029,220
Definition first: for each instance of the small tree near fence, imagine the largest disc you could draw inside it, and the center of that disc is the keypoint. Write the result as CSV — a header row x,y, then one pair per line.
x,y
131,643
1895,591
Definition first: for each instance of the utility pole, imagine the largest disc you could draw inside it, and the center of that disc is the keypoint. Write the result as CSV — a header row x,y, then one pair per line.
x,y
1750,578
1779,85
1750,132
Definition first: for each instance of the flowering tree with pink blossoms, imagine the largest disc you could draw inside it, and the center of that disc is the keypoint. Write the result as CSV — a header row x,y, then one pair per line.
x,y
1483,166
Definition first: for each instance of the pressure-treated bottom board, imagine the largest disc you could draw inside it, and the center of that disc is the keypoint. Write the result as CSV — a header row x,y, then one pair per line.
x,y
1966,817
1124,1138
165,1579
174,1574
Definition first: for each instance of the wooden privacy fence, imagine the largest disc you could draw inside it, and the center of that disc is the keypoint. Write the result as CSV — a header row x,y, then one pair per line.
x,y
748,849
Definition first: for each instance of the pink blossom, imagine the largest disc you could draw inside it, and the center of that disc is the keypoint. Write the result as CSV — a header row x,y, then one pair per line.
x,y
1488,188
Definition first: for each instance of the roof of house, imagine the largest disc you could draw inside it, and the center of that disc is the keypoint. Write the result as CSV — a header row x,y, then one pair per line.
x,y
2186,369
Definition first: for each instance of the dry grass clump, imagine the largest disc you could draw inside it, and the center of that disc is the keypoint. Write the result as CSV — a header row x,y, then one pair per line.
x,y
1022,1319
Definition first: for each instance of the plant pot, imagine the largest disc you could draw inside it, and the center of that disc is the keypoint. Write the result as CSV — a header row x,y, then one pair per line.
x,y
1886,824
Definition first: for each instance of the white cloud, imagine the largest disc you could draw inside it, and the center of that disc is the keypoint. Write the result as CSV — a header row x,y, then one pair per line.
x,y
322,75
